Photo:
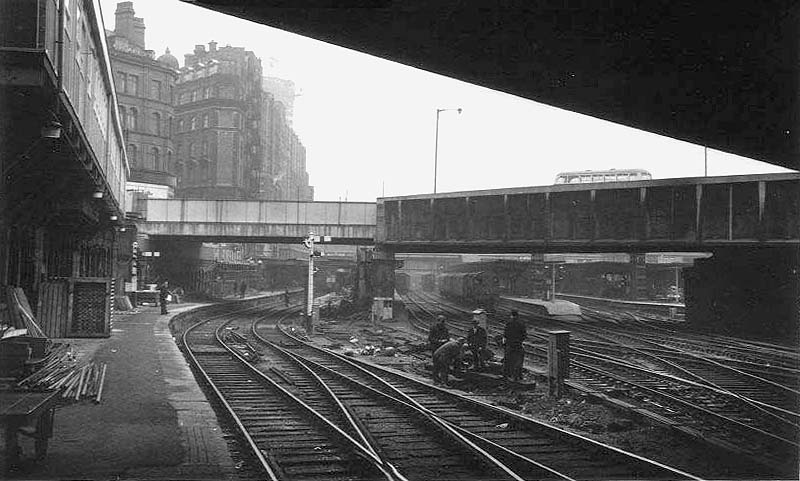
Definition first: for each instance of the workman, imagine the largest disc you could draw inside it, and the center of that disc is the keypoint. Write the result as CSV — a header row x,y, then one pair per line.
x,y
476,340
163,296
513,337
448,355
438,334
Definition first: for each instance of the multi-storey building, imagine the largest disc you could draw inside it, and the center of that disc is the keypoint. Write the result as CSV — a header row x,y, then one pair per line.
x,y
283,91
217,139
145,88
284,172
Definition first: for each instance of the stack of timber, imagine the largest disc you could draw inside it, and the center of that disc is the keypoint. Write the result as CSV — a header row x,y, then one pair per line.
x,y
19,312
61,371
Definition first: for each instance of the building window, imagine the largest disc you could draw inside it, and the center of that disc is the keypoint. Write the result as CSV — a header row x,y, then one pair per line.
x,y
156,123
133,118
205,120
194,123
180,125
170,165
157,159
123,117
194,95
121,81
132,155
133,85
206,92
155,90
205,147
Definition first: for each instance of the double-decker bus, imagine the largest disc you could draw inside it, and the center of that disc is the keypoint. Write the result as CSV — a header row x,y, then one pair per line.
x,y
613,175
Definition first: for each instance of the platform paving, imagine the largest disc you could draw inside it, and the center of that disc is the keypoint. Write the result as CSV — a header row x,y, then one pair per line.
x,y
154,422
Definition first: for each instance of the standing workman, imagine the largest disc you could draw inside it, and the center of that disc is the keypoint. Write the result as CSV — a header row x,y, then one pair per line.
x,y
513,337
448,355
476,340
438,334
163,296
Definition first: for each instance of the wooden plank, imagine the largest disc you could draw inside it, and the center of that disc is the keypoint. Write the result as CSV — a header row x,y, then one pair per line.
x,y
70,303
13,314
52,308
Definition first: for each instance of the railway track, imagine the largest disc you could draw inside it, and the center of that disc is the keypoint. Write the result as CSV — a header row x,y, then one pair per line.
x,y
696,401
418,445
533,450
288,438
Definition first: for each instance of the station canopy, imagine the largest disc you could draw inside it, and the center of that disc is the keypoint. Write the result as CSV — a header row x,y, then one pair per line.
x,y
715,73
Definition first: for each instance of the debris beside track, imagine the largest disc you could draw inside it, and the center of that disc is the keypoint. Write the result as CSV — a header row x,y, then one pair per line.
x,y
60,370
574,412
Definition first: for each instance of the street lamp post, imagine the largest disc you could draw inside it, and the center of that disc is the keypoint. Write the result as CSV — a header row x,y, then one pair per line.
x,y
436,147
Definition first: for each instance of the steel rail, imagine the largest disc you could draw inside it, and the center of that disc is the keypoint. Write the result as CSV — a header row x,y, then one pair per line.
x,y
350,443
353,424
617,378
404,400
540,425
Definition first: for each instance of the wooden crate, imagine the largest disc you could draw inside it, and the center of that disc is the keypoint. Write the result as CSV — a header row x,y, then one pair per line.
x,y
90,307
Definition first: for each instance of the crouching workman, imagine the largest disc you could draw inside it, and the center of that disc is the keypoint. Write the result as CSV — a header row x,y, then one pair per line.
x,y
450,353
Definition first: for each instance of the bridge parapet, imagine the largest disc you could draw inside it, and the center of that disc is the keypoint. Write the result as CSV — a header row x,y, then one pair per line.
x,y
667,214
260,221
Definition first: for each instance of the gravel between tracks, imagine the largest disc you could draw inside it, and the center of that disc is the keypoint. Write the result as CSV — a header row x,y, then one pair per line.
x,y
575,412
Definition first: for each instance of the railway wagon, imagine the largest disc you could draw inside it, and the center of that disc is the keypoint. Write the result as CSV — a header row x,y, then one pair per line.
x,y
475,289
428,283
402,282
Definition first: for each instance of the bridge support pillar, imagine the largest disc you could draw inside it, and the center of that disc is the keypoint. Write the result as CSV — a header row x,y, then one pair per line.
x,y
745,292
539,277
638,286
376,273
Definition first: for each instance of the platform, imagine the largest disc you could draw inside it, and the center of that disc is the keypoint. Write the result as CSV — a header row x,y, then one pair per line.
x,y
154,422
554,308
677,305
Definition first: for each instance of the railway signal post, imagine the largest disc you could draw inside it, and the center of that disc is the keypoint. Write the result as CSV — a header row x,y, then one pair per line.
x,y
312,253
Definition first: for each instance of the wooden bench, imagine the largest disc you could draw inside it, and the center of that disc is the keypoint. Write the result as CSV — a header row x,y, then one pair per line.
x,y
29,413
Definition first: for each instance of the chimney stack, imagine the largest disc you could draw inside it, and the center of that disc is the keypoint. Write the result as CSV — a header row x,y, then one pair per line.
x,y
199,49
128,25
212,46
138,31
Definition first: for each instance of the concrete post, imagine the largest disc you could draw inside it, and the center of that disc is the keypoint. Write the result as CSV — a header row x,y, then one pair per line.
x,y
557,362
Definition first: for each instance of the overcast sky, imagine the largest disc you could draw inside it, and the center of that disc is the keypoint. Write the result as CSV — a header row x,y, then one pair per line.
x,y
369,125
